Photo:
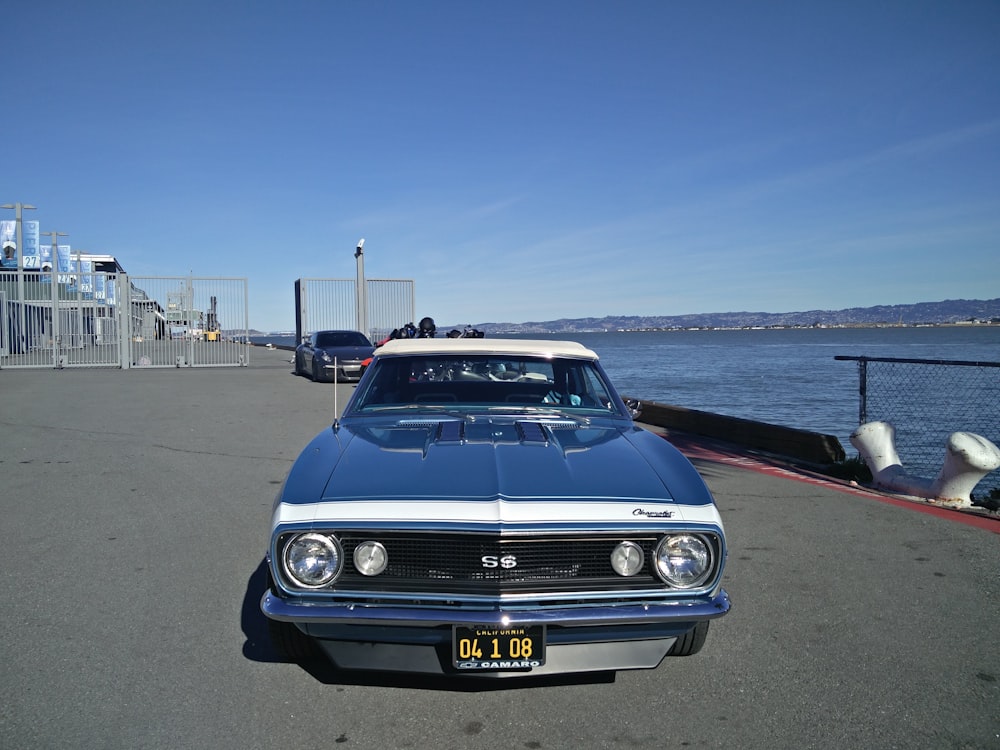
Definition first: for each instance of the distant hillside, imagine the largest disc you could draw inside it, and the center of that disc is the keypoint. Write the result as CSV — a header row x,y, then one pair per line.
x,y
921,313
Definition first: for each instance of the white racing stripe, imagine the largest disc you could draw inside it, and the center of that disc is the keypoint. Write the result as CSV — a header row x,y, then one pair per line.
x,y
502,511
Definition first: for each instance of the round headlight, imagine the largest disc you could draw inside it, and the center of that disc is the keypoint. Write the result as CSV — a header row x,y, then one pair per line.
x,y
684,560
627,559
312,560
370,558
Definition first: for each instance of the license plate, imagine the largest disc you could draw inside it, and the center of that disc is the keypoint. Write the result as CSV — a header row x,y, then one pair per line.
x,y
352,368
488,648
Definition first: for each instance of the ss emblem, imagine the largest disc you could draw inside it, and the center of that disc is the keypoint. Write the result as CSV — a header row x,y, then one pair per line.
x,y
493,561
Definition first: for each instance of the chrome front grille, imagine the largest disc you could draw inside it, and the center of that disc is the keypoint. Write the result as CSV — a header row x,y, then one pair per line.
x,y
490,565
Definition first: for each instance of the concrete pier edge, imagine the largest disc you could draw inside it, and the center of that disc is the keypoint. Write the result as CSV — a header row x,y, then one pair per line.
x,y
812,448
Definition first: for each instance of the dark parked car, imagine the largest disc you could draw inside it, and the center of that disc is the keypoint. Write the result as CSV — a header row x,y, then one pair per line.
x,y
329,355
488,507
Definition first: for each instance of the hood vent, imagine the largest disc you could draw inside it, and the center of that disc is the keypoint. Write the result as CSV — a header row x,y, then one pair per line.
x,y
455,430
560,424
451,432
423,422
532,432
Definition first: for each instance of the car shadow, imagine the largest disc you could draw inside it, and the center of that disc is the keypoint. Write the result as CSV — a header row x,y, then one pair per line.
x,y
328,674
257,647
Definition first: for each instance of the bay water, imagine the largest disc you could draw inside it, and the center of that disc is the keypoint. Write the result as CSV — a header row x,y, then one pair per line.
x,y
781,376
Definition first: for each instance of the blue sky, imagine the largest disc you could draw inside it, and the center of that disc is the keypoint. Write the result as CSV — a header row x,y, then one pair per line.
x,y
521,161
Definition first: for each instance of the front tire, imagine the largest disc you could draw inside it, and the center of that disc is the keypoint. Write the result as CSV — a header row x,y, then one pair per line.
x,y
314,374
691,642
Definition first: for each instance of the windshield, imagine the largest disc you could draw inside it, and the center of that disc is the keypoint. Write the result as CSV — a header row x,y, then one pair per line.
x,y
486,380
341,338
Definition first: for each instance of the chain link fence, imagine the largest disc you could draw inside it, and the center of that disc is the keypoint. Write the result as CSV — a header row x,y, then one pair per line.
x,y
926,401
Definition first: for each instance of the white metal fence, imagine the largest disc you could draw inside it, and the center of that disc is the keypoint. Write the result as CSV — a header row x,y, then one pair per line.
x,y
59,320
324,304
112,320
116,320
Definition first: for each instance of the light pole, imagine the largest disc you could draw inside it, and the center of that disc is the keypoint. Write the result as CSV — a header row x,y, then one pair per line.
x,y
360,291
76,273
55,294
19,239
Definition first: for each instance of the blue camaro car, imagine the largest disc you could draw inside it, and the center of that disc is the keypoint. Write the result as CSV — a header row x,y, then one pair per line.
x,y
488,507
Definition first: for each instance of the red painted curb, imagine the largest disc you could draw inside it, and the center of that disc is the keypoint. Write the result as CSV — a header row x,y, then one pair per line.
x,y
719,453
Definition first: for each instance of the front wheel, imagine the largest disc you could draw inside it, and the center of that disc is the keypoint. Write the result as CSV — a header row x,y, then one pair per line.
x,y
691,642
315,372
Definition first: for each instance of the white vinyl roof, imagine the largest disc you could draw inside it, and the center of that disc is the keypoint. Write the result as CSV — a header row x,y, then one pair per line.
x,y
513,347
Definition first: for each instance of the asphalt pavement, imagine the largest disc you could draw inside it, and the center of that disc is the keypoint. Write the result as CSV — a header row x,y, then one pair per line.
x,y
135,518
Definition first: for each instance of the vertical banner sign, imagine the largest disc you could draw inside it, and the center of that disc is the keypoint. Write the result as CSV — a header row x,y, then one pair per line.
x,y
67,274
109,290
8,241
87,278
29,253
46,264
99,284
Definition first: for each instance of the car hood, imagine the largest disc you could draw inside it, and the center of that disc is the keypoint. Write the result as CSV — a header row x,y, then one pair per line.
x,y
347,352
496,469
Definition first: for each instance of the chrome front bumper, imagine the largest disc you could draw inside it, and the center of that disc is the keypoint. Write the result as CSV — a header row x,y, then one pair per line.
x,y
350,370
418,640
304,612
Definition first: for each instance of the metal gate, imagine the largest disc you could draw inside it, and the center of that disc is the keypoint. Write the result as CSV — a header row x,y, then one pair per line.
x,y
60,320
323,304
113,320
185,321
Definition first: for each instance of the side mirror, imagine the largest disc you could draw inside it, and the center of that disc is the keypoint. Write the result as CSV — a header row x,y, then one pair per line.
x,y
634,407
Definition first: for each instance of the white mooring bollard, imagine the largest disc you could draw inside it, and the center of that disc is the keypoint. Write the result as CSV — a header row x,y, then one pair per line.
x,y
968,458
